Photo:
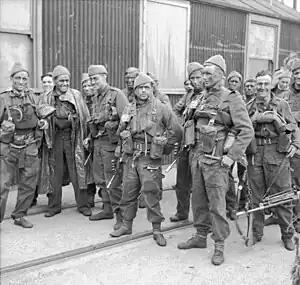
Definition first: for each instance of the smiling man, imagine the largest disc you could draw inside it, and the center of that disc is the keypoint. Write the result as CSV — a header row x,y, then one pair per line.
x,y
277,138
66,131
148,129
19,141
108,105
219,112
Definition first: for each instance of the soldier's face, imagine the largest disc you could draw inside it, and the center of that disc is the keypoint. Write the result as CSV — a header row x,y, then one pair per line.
x,y
87,88
250,88
20,80
144,91
129,80
234,83
211,76
196,79
98,81
188,86
284,83
62,83
263,86
296,76
47,83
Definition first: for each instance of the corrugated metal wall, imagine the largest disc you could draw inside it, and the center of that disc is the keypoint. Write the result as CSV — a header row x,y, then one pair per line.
x,y
289,40
217,30
77,33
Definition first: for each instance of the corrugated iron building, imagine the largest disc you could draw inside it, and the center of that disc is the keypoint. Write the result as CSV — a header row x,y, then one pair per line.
x,y
78,33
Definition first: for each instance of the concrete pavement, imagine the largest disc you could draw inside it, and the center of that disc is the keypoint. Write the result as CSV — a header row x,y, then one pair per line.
x,y
144,263
68,195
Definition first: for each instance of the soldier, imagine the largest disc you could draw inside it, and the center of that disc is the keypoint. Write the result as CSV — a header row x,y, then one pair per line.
x,y
281,83
148,130
249,89
130,74
157,93
108,105
20,136
47,81
64,148
220,114
87,93
272,120
183,177
234,81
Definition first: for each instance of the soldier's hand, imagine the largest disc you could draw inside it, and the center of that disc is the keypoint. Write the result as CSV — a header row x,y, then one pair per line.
x,y
176,148
291,151
86,143
227,161
43,124
118,151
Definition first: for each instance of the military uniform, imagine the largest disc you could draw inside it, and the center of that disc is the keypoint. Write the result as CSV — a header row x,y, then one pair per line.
x,y
19,150
218,113
182,110
107,109
272,145
150,132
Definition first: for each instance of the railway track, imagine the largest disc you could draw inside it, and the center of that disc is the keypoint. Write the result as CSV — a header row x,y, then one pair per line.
x,y
87,249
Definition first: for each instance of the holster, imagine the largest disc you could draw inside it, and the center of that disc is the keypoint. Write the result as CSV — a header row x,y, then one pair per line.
x,y
111,128
127,142
284,141
7,130
157,146
93,129
189,133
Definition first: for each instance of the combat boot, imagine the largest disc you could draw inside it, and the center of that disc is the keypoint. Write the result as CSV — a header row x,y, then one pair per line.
x,y
119,220
197,241
218,256
125,229
288,244
22,222
106,214
176,218
157,235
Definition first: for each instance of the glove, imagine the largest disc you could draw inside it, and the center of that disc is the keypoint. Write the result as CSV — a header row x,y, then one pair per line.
x,y
291,151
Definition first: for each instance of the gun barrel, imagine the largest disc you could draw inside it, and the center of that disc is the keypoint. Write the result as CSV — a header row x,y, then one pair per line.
x,y
111,180
171,165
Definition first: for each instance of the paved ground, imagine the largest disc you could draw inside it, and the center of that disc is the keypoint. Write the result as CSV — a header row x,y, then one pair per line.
x,y
143,262
68,195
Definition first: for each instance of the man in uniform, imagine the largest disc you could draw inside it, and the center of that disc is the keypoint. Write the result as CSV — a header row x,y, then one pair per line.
x,y
148,130
108,105
249,89
234,81
281,83
273,121
157,92
20,137
64,150
183,177
130,75
219,113
87,93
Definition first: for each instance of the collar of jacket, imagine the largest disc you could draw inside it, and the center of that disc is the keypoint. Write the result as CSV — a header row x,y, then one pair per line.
x,y
217,87
68,96
16,93
272,101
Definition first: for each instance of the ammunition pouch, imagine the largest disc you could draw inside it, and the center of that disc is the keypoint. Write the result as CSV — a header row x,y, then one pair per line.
x,y
111,128
284,141
7,130
189,133
206,136
157,146
127,142
93,129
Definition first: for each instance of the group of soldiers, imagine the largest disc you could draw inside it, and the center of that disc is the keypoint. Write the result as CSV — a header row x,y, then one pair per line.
x,y
110,143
